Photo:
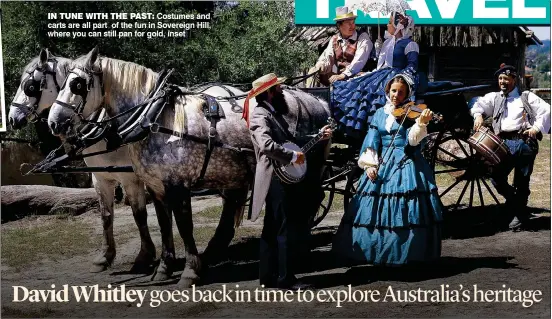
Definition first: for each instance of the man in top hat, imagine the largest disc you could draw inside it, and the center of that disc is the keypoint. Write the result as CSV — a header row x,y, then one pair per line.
x,y
519,119
285,217
347,51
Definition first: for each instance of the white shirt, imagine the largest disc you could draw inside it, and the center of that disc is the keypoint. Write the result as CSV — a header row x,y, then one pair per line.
x,y
513,118
362,53
416,134
294,158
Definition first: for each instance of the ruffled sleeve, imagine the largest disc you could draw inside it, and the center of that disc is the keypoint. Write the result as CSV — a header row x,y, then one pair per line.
x,y
371,146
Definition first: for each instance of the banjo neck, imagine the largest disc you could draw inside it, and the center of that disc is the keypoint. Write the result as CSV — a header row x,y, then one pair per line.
x,y
312,142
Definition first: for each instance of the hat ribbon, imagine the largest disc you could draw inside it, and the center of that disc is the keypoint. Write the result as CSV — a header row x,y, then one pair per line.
x,y
245,114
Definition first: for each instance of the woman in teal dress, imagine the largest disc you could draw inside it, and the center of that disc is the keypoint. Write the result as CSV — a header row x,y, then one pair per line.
x,y
395,217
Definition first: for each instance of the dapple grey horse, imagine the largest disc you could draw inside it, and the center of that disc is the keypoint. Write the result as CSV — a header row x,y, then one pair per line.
x,y
170,164
33,98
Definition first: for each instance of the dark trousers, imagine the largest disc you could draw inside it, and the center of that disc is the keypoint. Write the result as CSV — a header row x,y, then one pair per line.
x,y
524,152
276,263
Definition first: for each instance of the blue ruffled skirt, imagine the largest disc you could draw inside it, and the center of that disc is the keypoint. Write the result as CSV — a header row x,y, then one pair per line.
x,y
397,218
355,101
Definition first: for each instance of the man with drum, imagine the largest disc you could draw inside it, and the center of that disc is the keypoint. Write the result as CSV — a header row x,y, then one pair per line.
x,y
347,51
519,119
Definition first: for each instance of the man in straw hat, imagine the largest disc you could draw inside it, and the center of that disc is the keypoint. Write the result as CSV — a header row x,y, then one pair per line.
x,y
347,52
519,119
285,217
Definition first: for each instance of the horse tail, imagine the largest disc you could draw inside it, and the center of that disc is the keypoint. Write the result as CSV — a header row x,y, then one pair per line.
x,y
240,210
238,216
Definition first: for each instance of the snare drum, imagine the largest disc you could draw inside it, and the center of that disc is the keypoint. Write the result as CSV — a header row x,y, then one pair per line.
x,y
489,145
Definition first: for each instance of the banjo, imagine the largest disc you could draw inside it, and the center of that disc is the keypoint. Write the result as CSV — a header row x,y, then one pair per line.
x,y
293,173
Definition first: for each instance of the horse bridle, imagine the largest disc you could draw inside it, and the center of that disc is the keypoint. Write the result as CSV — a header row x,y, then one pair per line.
x,y
34,88
81,86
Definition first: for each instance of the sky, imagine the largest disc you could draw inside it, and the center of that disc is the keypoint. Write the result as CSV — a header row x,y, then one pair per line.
x,y
542,33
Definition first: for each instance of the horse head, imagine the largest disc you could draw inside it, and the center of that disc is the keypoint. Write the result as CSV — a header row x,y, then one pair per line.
x,y
95,82
80,95
38,88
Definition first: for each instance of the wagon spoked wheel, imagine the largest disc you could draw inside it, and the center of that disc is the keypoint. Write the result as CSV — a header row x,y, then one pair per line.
x,y
459,170
328,186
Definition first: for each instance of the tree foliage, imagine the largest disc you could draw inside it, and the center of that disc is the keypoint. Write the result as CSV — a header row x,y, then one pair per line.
x,y
244,42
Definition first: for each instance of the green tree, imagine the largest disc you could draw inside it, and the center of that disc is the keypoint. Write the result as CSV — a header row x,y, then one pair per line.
x,y
245,41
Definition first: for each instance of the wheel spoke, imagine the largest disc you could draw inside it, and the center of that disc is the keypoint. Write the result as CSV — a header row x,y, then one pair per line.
x,y
450,170
462,194
471,193
490,191
449,153
450,187
461,146
480,193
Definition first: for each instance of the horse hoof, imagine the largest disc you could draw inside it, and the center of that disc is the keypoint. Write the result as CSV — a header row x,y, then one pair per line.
x,y
185,283
159,276
100,264
161,273
98,268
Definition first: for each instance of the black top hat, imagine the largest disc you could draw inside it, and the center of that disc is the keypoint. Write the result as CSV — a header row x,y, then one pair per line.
x,y
506,69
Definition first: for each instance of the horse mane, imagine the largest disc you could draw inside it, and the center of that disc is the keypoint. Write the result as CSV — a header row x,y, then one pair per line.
x,y
122,80
191,103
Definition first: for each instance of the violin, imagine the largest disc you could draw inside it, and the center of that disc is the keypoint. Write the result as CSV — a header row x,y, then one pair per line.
x,y
412,111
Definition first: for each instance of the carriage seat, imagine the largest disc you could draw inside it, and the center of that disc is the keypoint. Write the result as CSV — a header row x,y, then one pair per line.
x,y
443,86
424,86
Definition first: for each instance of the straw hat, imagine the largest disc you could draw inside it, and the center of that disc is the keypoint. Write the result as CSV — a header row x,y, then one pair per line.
x,y
264,83
260,85
343,13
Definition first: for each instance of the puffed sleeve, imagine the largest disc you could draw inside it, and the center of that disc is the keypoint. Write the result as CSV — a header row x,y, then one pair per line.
x,y
369,152
484,105
417,133
412,50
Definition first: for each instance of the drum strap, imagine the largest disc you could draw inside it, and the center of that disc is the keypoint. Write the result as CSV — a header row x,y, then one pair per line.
x,y
499,106
529,111
527,107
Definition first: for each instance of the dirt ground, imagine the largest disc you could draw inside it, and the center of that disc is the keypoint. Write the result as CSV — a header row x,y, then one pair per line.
x,y
479,257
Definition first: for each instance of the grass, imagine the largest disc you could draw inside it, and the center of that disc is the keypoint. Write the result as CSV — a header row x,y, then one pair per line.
x,y
61,237
211,212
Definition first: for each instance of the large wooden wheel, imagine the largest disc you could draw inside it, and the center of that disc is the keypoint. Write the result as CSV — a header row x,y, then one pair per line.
x,y
459,170
328,185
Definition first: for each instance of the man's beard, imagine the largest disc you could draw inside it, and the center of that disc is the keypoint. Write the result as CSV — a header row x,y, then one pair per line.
x,y
279,103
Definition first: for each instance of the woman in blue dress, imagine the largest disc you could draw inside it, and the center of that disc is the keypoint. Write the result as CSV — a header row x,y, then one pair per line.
x,y
395,217
355,101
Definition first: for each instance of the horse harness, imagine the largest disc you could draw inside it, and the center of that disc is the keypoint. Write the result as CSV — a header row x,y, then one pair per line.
x,y
34,88
144,119
81,86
